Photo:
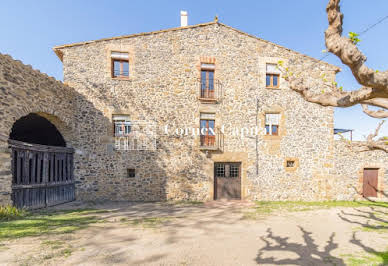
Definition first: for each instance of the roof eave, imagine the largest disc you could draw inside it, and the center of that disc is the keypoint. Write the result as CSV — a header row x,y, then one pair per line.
x,y
58,49
335,68
59,53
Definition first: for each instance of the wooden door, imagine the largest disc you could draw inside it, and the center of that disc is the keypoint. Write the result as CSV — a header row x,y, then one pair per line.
x,y
227,181
42,175
370,182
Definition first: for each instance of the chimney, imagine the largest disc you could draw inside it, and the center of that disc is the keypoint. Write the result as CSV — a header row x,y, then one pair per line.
x,y
183,18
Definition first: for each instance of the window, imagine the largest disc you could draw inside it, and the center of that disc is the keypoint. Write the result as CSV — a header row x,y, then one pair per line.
x,y
234,170
122,125
290,163
207,81
272,124
272,76
220,170
228,170
120,65
131,173
207,129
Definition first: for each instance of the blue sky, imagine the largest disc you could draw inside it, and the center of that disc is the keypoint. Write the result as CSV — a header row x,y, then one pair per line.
x,y
29,30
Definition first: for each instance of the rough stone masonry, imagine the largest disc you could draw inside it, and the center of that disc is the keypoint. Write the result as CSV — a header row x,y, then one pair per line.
x,y
163,87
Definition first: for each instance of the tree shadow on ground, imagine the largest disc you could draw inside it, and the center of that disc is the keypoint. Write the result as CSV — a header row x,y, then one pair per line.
x,y
308,252
383,255
372,219
170,220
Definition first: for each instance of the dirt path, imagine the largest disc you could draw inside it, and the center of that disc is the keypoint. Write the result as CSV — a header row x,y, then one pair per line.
x,y
210,234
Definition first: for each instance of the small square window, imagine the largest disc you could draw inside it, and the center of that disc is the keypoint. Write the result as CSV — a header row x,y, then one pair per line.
x,y
290,163
131,173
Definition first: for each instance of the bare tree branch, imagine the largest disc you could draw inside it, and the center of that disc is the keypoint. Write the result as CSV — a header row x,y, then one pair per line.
x,y
376,114
348,52
336,97
374,90
370,144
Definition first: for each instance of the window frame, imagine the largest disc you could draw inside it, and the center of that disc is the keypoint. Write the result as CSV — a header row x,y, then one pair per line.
x,y
209,138
121,62
126,123
291,168
131,172
292,163
270,125
272,75
206,92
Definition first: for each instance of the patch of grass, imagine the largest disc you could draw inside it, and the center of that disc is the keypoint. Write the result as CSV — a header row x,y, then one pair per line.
x,y
47,222
83,211
66,252
251,215
8,213
58,252
54,244
375,258
149,222
267,207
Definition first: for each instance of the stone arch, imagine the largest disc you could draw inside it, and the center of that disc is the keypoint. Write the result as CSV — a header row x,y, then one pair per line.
x,y
27,91
36,129
42,165
63,124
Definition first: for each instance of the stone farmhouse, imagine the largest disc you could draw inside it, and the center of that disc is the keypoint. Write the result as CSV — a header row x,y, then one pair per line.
x,y
198,112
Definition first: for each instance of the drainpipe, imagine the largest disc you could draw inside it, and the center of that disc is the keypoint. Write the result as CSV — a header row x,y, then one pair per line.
x,y
257,137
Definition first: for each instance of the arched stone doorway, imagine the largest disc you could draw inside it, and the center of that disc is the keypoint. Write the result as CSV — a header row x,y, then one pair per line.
x,y
42,165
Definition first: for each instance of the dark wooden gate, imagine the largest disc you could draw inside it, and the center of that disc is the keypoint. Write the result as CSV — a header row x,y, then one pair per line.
x,y
227,181
41,175
370,182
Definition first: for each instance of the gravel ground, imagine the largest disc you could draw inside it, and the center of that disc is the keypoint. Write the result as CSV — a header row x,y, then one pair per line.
x,y
215,233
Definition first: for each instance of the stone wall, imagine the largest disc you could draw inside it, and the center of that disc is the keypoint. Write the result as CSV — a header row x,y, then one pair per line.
x,y
163,87
24,90
349,168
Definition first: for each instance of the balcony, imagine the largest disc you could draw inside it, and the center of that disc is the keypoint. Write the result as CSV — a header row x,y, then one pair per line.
x,y
209,92
212,142
135,135
122,128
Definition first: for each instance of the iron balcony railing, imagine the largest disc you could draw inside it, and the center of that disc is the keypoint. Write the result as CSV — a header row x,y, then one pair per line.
x,y
212,142
210,90
122,129
135,135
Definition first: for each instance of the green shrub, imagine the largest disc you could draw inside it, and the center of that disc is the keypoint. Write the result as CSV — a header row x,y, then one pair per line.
x,y
8,213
